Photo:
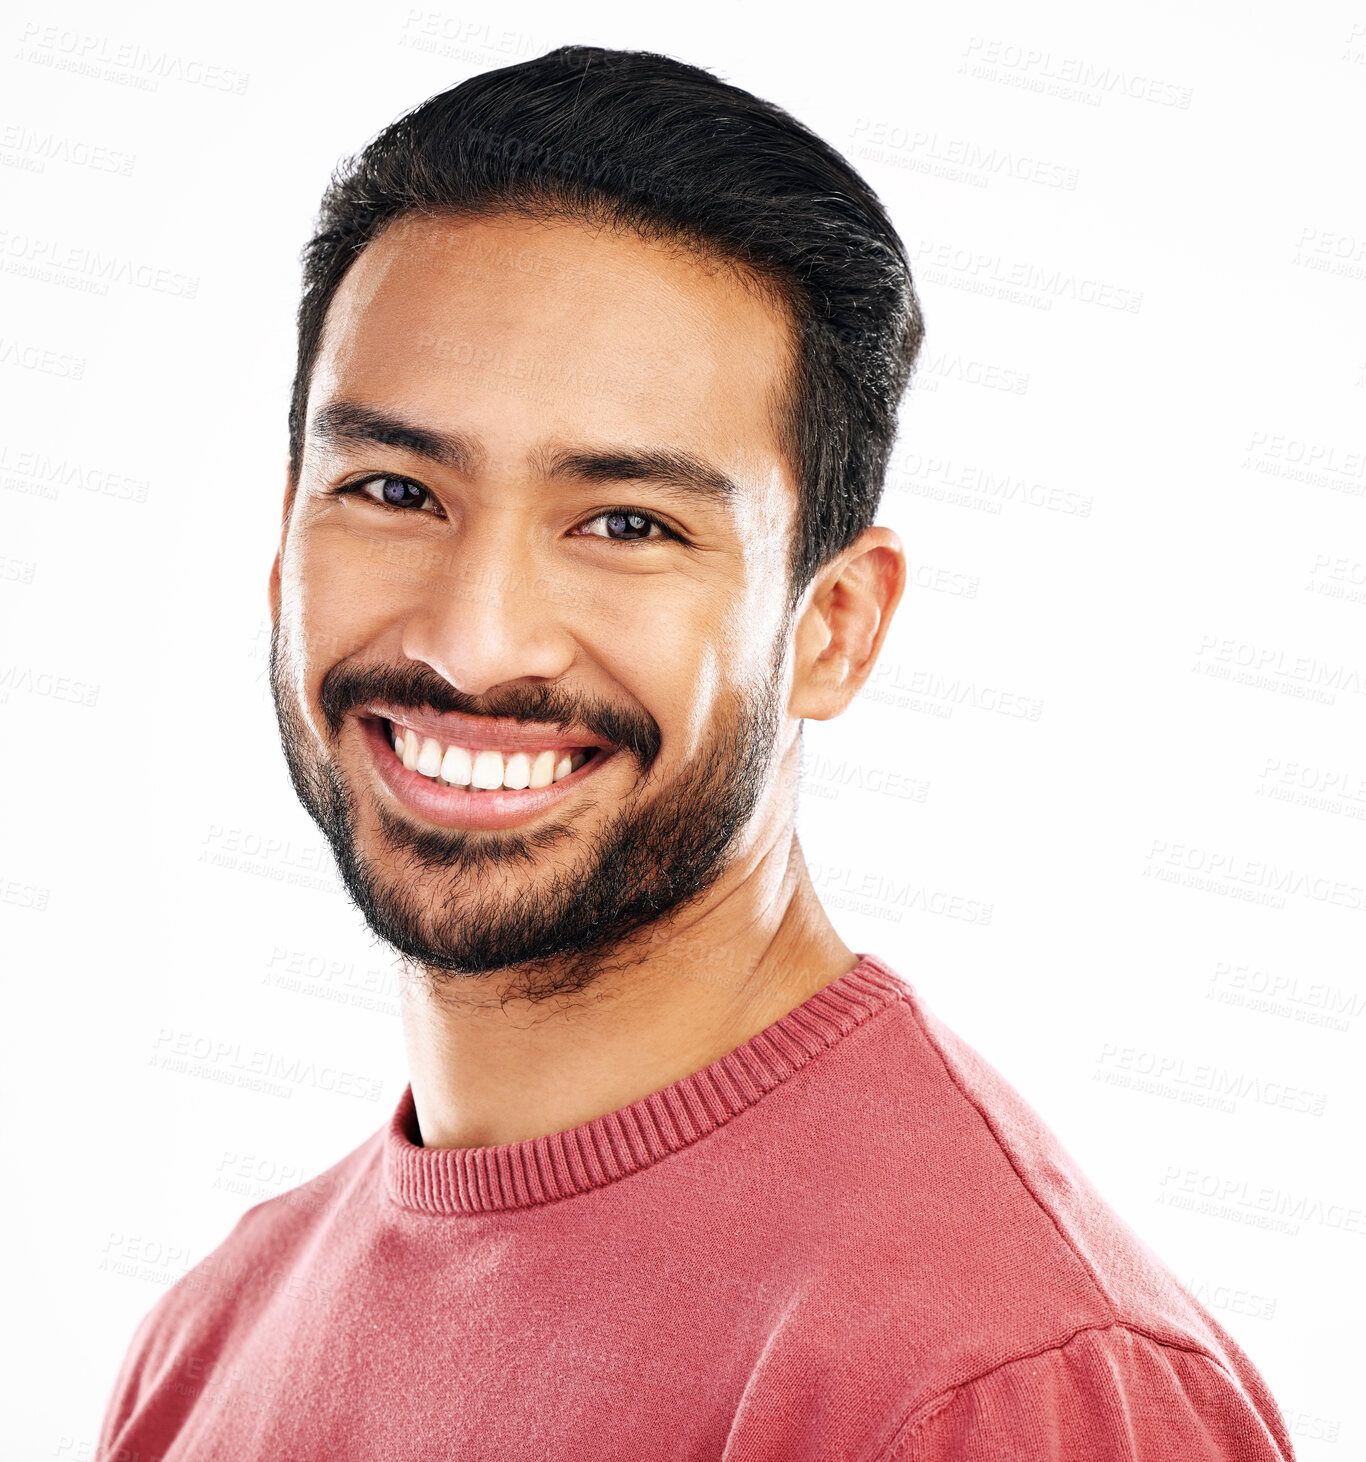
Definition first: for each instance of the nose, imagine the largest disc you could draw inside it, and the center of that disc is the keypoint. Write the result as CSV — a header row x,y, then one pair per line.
x,y
490,616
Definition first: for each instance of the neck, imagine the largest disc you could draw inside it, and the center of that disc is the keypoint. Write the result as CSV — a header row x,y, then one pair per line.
x,y
487,1070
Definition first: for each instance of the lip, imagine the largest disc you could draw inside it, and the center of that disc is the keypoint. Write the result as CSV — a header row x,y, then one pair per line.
x,y
457,806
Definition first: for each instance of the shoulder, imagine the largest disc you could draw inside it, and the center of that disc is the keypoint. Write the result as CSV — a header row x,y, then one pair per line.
x,y
1034,1198
1007,1262
270,1236
175,1346
1107,1391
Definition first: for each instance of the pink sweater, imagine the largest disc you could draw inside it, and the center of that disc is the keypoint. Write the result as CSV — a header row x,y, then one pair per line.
x,y
847,1239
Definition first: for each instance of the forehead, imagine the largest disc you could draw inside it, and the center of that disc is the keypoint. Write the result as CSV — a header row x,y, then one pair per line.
x,y
508,327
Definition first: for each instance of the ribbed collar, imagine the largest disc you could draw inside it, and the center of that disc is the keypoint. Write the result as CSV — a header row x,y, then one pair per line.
x,y
451,1180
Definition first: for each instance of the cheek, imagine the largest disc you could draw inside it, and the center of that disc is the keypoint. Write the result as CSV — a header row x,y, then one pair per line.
x,y
658,648
331,606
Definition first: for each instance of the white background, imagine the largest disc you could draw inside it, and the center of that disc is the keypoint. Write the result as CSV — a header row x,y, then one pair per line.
x,y
1125,690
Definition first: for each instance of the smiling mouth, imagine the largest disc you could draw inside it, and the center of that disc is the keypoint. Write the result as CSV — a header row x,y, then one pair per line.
x,y
484,769
475,787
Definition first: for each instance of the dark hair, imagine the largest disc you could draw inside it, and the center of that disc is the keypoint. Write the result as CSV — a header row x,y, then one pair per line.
x,y
642,141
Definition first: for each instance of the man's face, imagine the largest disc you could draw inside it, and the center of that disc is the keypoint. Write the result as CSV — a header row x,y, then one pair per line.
x,y
493,390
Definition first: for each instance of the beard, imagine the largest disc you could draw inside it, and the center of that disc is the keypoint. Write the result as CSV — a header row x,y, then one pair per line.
x,y
445,898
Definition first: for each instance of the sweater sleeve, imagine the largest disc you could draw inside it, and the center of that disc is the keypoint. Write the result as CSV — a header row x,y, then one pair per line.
x,y
1110,1393
123,1396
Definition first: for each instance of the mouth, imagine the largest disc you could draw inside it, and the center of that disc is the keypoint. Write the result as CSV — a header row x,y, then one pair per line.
x,y
478,786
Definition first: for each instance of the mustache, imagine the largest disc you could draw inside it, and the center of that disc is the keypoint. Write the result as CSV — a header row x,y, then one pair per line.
x,y
347,688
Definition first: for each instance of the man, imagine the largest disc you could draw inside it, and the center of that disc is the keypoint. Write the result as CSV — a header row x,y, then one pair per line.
x,y
599,366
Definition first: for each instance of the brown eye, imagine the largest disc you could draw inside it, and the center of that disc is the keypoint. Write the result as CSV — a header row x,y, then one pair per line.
x,y
394,492
624,525
385,491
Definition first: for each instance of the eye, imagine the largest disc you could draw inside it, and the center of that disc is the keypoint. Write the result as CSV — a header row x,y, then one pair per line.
x,y
626,525
392,492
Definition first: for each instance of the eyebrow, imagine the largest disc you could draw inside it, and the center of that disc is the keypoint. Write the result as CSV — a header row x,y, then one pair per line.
x,y
345,423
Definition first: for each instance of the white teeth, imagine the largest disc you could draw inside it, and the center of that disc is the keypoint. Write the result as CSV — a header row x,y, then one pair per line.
x,y
484,769
429,758
456,766
488,770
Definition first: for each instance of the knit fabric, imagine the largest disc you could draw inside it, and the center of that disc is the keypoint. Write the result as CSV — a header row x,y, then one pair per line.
x,y
849,1239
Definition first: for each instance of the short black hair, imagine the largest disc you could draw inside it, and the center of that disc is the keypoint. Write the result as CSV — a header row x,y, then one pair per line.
x,y
640,140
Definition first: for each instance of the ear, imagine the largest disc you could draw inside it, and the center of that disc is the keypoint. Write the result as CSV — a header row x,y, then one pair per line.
x,y
840,632
273,588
